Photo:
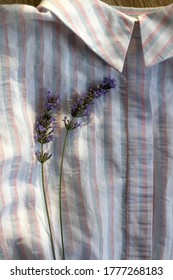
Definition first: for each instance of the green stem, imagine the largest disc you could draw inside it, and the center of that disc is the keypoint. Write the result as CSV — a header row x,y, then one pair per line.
x,y
46,206
60,194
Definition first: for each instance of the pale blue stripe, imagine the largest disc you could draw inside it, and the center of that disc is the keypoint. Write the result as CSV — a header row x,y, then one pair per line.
x,y
122,92
24,173
168,52
109,188
147,104
157,36
104,28
4,103
75,185
90,60
38,87
10,119
159,215
39,97
65,21
151,17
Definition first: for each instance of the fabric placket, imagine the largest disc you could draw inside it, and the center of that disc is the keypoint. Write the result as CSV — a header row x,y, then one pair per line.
x,y
139,154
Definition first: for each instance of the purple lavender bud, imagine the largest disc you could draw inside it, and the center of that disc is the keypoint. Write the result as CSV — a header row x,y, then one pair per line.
x,y
52,119
40,128
51,101
108,83
49,138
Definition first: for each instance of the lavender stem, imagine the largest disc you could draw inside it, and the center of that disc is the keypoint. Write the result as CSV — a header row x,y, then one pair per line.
x,y
60,194
46,206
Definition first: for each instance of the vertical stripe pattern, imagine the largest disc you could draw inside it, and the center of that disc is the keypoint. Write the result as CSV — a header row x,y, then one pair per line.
x,y
117,192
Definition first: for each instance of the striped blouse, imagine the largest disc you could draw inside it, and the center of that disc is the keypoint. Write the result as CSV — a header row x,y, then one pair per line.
x,y
117,187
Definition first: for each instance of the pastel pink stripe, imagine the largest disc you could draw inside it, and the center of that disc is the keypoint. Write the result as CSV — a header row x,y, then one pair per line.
x,y
41,94
59,143
84,217
41,60
82,199
67,15
162,51
165,161
164,21
96,188
2,240
127,24
25,112
17,146
67,232
144,171
112,181
126,105
106,22
82,205
88,23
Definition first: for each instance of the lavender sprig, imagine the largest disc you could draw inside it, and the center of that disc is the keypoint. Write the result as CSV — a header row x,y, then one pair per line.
x,y
43,134
81,108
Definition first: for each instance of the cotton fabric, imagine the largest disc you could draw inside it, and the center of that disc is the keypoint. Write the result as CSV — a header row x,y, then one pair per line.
x,y
117,189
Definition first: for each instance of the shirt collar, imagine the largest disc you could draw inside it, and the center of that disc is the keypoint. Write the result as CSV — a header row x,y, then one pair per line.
x,y
107,31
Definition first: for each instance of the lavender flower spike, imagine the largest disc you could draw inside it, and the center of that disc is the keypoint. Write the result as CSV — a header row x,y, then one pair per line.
x,y
83,106
44,125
